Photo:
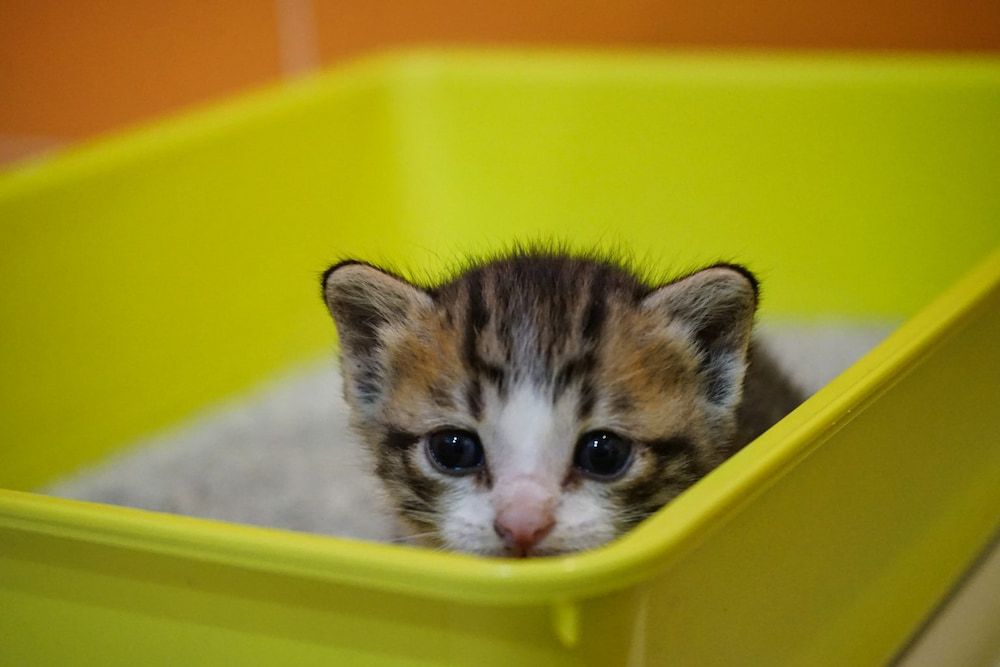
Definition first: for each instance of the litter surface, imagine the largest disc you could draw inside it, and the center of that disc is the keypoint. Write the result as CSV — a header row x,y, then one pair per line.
x,y
285,457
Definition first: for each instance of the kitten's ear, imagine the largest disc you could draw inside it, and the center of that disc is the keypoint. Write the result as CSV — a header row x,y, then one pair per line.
x,y
716,307
366,304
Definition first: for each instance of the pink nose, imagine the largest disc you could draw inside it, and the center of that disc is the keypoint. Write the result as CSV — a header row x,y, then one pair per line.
x,y
521,528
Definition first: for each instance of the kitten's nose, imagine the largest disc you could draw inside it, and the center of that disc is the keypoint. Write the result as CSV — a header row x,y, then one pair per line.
x,y
521,528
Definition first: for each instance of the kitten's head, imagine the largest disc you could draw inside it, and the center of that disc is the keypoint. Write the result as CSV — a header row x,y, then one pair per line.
x,y
540,404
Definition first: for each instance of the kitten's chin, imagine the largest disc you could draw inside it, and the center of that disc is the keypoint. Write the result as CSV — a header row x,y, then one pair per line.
x,y
536,553
493,552
475,539
539,551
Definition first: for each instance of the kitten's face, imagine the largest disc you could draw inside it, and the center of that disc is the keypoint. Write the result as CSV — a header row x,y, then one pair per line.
x,y
539,406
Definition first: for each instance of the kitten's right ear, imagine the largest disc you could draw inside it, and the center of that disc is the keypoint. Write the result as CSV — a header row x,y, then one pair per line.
x,y
366,303
716,305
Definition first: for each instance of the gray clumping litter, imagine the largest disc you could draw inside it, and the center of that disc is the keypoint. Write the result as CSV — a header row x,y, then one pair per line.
x,y
284,456
281,457
812,354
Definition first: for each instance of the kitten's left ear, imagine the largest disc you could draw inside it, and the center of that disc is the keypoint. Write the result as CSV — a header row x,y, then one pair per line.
x,y
716,307
367,303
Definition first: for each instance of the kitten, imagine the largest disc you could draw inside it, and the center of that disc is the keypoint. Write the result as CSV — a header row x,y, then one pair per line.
x,y
539,403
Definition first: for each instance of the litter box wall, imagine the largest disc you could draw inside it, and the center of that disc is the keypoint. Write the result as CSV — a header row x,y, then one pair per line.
x,y
153,274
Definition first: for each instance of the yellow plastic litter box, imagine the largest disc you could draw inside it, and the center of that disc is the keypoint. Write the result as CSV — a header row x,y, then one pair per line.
x,y
149,275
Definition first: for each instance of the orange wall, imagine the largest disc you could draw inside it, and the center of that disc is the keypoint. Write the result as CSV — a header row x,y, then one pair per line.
x,y
69,70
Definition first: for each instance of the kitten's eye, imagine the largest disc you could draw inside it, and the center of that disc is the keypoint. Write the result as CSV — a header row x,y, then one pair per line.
x,y
602,455
455,452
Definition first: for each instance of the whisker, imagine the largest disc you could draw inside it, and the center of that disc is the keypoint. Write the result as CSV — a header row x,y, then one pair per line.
x,y
416,536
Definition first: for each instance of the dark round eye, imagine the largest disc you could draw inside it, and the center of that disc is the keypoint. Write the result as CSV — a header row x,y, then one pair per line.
x,y
455,452
602,455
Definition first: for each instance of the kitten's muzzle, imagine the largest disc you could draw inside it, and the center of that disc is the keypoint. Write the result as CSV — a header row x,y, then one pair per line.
x,y
524,517
520,540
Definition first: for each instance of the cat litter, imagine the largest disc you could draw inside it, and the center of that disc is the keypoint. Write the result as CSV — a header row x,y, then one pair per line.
x,y
286,458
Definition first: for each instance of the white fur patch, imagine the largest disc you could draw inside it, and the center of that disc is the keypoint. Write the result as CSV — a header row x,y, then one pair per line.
x,y
528,436
529,443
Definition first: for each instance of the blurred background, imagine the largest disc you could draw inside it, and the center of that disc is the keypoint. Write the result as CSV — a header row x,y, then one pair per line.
x,y
70,71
